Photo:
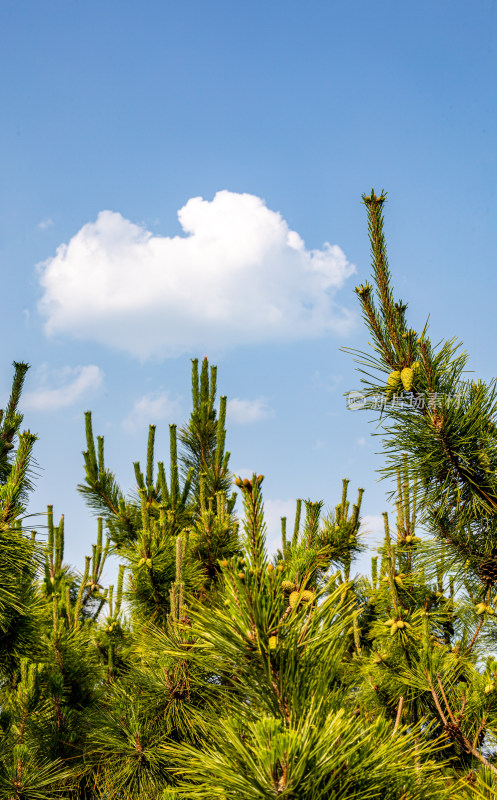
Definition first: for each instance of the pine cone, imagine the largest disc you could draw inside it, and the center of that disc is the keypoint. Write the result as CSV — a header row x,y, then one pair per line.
x,y
394,384
407,377
487,571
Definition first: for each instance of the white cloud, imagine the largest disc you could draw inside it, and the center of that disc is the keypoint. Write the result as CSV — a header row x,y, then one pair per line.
x,y
239,275
361,441
45,223
71,385
244,412
150,408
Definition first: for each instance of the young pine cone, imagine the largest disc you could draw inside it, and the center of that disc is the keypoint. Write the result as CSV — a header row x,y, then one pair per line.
x,y
394,384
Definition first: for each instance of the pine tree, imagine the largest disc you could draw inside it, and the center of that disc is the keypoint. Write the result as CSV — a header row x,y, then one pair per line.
x,y
204,437
194,505
31,686
440,441
441,420
16,564
286,719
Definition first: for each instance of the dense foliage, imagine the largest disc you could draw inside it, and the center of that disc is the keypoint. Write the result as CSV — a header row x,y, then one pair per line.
x,y
214,670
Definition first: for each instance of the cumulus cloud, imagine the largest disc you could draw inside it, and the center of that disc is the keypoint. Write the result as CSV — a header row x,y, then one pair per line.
x,y
237,275
150,408
61,388
244,412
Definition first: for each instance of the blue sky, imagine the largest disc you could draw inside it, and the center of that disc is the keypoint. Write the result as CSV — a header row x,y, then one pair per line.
x,y
260,124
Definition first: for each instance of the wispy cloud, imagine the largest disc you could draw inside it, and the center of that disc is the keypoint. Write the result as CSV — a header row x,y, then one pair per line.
x,y
151,408
60,388
328,381
274,510
45,223
373,526
238,275
244,412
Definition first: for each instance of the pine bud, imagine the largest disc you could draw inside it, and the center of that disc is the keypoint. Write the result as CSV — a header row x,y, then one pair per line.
x,y
224,563
293,599
270,567
489,688
288,586
307,597
280,568
149,563
273,641
241,575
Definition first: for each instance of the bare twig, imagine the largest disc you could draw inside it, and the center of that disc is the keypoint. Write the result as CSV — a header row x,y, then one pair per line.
x,y
473,640
399,714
